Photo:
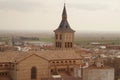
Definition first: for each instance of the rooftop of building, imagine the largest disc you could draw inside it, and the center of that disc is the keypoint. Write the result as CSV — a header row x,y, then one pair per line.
x,y
64,25
103,67
16,56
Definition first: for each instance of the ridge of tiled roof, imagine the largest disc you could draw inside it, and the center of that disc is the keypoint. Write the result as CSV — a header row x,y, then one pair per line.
x,y
15,56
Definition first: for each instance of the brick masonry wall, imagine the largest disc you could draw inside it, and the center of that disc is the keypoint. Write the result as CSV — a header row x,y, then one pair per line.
x,y
25,66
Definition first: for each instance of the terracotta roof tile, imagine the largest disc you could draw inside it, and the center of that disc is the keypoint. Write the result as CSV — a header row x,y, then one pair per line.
x,y
12,56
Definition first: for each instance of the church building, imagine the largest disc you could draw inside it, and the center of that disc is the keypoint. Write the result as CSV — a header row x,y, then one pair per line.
x,y
40,65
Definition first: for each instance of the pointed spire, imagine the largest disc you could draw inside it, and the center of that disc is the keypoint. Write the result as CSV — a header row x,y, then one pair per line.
x,y
64,14
64,25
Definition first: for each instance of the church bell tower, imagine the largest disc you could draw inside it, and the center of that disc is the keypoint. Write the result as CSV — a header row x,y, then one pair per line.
x,y
64,34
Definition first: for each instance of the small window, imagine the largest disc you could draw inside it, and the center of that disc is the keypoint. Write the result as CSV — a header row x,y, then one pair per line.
x,y
13,65
65,44
6,65
51,70
74,61
68,44
71,44
6,73
56,36
60,36
57,62
56,44
33,73
65,61
60,45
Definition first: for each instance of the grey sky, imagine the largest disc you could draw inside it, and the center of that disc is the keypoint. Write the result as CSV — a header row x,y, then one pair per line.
x,y
83,15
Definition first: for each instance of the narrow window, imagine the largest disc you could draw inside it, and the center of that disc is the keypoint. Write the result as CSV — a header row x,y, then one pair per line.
x,y
56,36
68,44
33,73
71,44
60,36
65,44
60,45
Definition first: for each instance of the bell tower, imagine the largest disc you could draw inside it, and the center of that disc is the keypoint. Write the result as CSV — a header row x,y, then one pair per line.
x,y
64,34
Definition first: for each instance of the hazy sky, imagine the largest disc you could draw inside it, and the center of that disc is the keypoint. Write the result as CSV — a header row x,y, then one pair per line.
x,y
83,15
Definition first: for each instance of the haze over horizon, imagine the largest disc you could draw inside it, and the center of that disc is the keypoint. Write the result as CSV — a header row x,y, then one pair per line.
x,y
42,15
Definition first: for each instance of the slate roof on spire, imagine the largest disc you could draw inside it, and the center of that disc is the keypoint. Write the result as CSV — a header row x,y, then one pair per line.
x,y
64,14
64,25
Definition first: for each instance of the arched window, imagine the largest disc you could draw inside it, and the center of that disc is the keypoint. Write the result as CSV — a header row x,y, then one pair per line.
x,y
33,73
